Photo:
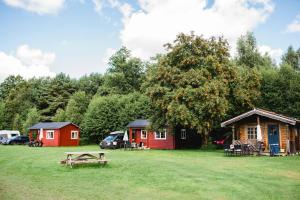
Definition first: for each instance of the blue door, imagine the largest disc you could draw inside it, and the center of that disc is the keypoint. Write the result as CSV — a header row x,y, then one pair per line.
x,y
273,135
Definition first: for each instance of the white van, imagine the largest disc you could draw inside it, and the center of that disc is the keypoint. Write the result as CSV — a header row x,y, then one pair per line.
x,y
5,134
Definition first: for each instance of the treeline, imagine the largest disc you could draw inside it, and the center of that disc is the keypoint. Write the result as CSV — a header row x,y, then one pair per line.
x,y
196,84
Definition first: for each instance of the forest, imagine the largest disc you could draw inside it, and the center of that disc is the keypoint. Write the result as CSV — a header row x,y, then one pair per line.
x,y
196,84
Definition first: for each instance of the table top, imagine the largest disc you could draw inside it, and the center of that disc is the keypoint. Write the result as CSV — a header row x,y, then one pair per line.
x,y
85,152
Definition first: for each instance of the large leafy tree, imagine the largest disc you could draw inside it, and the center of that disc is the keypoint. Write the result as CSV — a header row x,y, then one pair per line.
x,y
76,107
192,84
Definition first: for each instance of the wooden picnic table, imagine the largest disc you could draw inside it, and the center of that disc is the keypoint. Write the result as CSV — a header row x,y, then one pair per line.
x,y
83,157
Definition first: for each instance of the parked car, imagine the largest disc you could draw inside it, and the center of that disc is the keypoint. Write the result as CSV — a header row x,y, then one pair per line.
x,y
17,140
113,141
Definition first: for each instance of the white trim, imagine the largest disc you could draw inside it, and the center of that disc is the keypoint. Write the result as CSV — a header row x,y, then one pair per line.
x,y
261,113
144,138
160,133
183,136
50,131
74,138
255,132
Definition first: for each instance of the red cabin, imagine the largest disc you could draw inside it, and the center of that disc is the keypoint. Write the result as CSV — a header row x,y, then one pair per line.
x,y
56,133
166,139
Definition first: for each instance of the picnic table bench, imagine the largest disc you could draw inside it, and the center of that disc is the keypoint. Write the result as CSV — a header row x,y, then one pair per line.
x,y
84,157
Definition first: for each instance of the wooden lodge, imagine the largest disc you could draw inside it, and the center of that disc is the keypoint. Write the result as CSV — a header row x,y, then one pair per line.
x,y
55,133
167,138
267,127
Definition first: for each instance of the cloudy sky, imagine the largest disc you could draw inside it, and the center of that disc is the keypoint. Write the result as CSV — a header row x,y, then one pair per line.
x,y
45,37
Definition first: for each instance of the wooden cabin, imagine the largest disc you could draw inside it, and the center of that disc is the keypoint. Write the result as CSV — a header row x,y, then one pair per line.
x,y
168,138
267,127
56,133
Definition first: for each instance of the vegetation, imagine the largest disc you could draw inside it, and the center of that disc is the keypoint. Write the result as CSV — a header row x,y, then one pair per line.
x,y
26,173
195,84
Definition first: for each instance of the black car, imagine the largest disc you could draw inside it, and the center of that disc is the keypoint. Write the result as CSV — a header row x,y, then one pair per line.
x,y
113,141
17,140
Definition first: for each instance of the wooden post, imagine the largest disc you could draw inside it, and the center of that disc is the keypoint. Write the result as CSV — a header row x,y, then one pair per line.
x,y
287,139
233,133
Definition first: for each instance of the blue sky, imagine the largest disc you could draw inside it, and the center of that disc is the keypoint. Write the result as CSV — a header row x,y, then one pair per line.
x,y
78,36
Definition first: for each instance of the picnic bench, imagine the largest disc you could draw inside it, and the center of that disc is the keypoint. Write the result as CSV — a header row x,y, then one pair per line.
x,y
84,157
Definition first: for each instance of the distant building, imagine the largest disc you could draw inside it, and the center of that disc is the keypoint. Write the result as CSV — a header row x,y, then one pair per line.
x,y
167,138
56,133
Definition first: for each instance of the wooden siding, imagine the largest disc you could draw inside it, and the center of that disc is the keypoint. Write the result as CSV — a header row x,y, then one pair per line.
x,y
65,136
242,135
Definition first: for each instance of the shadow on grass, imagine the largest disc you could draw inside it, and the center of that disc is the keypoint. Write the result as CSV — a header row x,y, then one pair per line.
x,y
87,166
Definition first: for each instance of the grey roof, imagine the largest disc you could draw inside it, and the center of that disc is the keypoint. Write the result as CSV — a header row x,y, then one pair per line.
x,y
51,125
264,113
139,123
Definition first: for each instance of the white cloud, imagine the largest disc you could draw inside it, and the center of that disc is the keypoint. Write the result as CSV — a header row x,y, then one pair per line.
x,y
26,62
275,54
158,22
38,6
98,5
294,26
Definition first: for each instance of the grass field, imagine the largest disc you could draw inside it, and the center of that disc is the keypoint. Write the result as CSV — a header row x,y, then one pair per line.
x,y
34,173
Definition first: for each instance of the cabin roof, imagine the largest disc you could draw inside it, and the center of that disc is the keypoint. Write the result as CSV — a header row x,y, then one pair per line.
x,y
51,125
264,113
139,123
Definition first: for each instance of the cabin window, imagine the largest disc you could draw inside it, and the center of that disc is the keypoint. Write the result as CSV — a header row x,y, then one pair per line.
x,y
143,134
74,135
161,135
252,132
183,134
50,135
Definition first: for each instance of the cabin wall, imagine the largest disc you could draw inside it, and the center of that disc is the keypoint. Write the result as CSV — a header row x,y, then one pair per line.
x,y
65,136
241,131
50,142
151,142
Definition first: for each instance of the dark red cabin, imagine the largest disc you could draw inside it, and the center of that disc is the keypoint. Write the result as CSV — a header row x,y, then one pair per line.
x,y
56,133
166,139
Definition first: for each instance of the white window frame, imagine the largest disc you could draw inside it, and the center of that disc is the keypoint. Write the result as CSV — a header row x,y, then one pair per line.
x,y
183,134
47,136
74,138
160,133
253,134
142,137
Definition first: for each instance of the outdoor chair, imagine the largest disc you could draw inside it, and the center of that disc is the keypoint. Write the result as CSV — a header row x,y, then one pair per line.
x,y
228,150
245,149
238,149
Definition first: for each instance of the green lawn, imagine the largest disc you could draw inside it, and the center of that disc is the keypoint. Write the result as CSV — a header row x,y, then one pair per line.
x,y
34,173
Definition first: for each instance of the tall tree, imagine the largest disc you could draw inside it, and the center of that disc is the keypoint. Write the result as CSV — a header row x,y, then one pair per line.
x,y
292,58
33,117
17,123
11,82
124,75
57,95
60,116
76,107
247,52
113,112
90,83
